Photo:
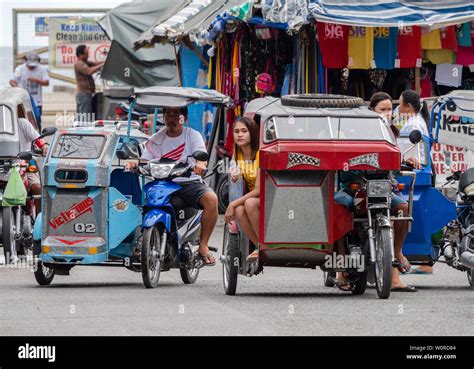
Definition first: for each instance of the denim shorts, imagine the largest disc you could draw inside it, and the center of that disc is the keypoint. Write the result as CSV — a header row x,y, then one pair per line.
x,y
347,200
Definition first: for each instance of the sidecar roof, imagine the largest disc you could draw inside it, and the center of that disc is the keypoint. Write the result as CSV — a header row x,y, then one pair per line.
x,y
267,107
167,96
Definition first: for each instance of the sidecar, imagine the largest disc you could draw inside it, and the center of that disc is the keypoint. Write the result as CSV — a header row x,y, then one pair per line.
x,y
91,207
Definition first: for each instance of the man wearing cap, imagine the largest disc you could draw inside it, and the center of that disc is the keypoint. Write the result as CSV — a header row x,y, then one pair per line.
x,y
83,70
32,76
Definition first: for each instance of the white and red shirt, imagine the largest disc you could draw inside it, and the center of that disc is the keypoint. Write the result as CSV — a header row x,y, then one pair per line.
x,y
160,145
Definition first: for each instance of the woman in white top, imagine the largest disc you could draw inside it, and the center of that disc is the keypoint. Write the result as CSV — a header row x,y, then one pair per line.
x,y
413,113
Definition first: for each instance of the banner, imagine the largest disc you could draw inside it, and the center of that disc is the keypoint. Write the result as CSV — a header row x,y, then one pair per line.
x,y
65,34
455,148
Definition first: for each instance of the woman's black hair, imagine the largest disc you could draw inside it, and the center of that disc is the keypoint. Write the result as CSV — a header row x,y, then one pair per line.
x,y
378,97
412,97
254,135
375,100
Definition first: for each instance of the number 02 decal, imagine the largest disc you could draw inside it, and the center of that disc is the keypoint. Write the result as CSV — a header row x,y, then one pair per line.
x,y
84,228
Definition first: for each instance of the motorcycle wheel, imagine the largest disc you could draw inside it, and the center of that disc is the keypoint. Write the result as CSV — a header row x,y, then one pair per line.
x,y
230,266
383,262
189,275
470,277
150,256
10,245
222,191
327,278
43,275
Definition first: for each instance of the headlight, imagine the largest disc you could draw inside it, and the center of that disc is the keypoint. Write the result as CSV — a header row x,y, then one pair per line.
x,y
161,170
469,190
379,189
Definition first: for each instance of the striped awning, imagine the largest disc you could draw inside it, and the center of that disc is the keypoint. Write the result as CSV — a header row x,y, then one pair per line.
x,y
191,18
391,13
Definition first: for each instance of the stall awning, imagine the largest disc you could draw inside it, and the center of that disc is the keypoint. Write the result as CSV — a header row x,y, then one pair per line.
x,y
391,13
195,16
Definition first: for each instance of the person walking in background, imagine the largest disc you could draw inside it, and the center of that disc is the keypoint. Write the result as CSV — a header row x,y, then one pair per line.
x,y
32,76
83,70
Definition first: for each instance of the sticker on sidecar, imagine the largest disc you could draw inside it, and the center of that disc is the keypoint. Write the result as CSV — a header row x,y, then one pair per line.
x,y
73,213
120,205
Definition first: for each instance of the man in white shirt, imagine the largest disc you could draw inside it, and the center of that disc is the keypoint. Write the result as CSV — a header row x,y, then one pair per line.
x,y
176,142
31,77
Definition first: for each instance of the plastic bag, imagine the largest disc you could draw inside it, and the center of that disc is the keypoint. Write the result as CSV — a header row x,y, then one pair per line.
x,y
15,192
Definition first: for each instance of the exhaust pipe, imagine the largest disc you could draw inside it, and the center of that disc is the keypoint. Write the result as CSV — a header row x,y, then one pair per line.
x,y
466,254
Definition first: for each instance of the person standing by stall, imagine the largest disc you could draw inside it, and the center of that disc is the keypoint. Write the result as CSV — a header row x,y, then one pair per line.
x,y
83,70
32,76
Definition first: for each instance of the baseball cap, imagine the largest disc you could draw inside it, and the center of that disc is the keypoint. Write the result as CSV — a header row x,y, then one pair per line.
x,y
32,59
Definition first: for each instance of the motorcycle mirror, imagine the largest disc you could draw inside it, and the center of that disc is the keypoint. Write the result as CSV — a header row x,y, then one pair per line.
x,y
25,155
48,131
200,155
415,136
122,155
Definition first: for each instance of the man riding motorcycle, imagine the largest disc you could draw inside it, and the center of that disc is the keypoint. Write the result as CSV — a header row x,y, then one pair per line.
x,y
176,142
28,135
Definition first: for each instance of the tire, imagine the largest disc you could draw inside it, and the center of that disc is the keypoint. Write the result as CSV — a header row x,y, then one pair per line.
x,y
150,256
361,283
10,245
470,277
230,267
43,275
189,275
222,191
327,280
383,262
322,101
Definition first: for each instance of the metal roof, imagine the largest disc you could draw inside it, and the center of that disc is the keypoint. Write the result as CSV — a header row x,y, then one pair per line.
x,y
178,96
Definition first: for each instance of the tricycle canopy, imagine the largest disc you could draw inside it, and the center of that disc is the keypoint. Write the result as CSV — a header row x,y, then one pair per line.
x,y
300,138
164,96
14,103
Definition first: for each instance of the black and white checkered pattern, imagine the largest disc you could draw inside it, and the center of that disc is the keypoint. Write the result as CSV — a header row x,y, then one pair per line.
x,y
295,159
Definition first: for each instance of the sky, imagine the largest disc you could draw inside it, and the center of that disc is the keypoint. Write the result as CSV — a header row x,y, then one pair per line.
x,y
6,6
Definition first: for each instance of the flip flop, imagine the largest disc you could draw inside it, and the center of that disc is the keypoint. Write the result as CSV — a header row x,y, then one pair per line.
x,y
404,289
207,257
404,267
344,285
253,256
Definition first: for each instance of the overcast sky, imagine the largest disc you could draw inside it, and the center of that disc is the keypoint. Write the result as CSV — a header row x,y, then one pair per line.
x,y
6,6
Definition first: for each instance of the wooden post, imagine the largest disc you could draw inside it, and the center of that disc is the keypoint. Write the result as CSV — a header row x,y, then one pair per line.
x,y
186,41
417,80
177,65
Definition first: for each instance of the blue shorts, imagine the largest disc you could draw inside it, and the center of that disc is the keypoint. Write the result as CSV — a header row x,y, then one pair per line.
x,y
347,200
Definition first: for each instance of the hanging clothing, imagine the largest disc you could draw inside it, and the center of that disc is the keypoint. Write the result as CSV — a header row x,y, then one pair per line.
x,y
448,38
333,42
409,46
449,75
464,34
385,47
425,87
465,56
443,56
430,40
361,47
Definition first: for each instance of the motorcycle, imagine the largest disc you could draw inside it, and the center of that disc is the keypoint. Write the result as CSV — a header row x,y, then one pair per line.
x,y
170,230
457,246
18,221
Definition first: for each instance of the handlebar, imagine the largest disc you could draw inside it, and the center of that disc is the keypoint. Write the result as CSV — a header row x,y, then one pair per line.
x,y
454,177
